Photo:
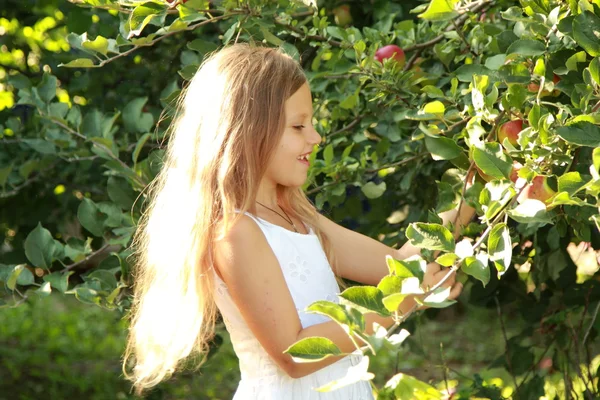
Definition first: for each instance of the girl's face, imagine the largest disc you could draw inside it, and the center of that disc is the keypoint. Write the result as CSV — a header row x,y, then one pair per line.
x,y
289,163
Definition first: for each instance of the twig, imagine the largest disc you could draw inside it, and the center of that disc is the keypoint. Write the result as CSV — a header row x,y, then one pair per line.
x,y
463,38
532,367
507,356
309,37
17,189
79,135
318,188
472,166
398,163
351,125
459,21
74,265
587,333
158,39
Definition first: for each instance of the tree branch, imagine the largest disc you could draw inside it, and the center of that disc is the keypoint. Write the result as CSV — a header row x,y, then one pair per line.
x,y
506,354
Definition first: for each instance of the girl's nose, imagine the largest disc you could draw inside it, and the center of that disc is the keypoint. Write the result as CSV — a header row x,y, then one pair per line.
x,y
315,138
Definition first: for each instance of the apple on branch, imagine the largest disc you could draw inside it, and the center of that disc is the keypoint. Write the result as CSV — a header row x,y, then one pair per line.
x,y
534,87
391,51
538,189
510,130
342,16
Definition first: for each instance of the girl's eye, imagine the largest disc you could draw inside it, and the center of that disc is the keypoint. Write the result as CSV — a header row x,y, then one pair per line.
x,y
298,127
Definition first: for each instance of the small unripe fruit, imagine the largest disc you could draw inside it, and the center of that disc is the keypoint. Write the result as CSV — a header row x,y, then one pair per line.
x,y
514,173
342,15
393,51
533,87
510,130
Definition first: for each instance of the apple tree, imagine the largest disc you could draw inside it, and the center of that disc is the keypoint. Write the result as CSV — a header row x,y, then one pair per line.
x,y
424,107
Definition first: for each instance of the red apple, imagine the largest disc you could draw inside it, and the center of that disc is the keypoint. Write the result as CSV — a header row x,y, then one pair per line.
x,y
483,175
342,15
514,173
391,50
511,131
534,87
538,189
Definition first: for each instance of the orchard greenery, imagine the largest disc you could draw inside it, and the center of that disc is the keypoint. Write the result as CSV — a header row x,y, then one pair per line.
x,y
505,91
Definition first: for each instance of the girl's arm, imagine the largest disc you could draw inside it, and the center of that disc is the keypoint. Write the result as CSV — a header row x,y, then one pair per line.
x,y
362,259
256,284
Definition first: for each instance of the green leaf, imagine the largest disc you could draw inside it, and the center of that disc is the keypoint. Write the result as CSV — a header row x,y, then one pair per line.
x,y
328,154
440,10
527,47
120,192
407,387
572,61
274,40
90,217
40,145
465,73
586,32
4,174
372,190
47,88
367,297
393,301
350,102
437,299
19,275
139,146
40,247
59,110
44,290
142,15
477,269
87,295
202,46
329,309
312,349
100,45
430,236
530,211
492,160
446,259
500,247
516,95
59,280
595,70
390,284
596,159
442,148
570,182
494,196
435,107
134,119
78,63
582,133
413,266
106,279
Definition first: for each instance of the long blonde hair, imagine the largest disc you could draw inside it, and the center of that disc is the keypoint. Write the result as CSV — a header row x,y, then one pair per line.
x,y
228,122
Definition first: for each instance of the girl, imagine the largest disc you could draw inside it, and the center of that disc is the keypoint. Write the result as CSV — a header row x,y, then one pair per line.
x,y
229,228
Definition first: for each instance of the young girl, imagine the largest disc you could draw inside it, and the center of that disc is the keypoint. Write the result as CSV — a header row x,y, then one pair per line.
x,y
228,228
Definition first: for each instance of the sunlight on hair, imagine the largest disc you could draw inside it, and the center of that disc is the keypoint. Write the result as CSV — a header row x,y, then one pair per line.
x,y
228,122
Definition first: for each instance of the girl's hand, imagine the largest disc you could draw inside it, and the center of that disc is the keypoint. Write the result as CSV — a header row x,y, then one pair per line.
x,y
434,274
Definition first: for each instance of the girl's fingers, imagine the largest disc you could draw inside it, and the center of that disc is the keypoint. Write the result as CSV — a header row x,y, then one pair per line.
x,y
455,291
433,268
441,274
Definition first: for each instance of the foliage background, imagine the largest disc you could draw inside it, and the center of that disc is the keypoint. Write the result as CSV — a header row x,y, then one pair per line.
x,y
78,144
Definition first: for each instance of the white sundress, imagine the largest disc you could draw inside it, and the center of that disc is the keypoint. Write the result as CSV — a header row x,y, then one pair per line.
x,y
309,278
